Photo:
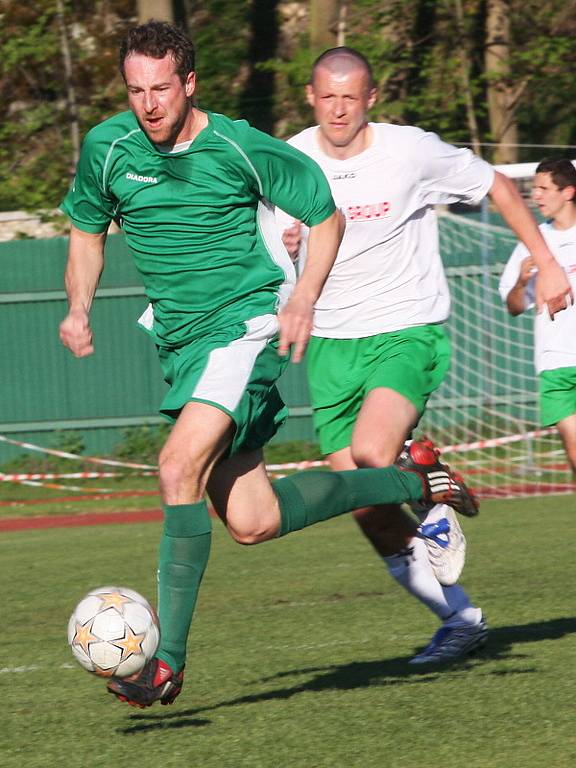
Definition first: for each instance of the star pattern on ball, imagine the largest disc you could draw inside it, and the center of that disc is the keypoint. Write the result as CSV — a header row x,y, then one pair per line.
x,y
113,600
131,644
83,636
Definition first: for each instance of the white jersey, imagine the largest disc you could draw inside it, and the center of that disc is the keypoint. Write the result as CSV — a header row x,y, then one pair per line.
x,y
554,340
388,274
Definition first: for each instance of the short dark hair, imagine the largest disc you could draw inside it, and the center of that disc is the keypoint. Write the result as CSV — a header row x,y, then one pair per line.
x,y
157,39
562,172
343,52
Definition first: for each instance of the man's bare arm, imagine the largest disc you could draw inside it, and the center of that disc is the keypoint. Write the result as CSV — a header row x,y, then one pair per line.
x,y
292,237
552,286
516,299
83,270
296,316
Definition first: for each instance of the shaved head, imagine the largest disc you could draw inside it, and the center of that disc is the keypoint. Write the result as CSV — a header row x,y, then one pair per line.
x,y
341,91
341,62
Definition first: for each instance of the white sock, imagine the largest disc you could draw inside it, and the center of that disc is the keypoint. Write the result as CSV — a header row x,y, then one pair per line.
x,y
463,610
412,570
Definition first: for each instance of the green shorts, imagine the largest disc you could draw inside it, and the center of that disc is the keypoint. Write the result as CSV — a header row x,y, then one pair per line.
x,y
557,395
341,372
235,370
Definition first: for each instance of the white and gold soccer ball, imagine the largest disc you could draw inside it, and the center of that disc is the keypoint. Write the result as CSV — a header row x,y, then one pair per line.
x,y
113,631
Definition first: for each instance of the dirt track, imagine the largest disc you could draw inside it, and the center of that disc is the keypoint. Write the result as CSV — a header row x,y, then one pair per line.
x,y
69,521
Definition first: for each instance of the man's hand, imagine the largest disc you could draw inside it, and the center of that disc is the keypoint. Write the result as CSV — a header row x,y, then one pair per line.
x,y
527,270
295,320
297,315
552,286
516,299
76,334
553,289
83,270
292,237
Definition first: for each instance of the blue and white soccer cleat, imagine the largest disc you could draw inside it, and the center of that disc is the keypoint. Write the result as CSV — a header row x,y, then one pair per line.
x,y
445,543
451,643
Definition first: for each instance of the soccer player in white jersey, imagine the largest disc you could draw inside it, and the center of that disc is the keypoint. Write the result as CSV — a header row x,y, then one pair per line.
x,y
378,348
554,192
194,191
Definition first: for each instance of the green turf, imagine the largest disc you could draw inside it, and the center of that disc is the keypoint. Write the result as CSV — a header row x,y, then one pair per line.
x,y
16,498
298,655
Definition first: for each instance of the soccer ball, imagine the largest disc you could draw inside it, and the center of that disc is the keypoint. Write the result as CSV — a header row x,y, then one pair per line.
x,y
113,631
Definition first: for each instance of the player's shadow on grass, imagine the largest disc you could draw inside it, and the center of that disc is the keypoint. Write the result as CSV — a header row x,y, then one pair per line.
x,y
159,722
502,639
361,674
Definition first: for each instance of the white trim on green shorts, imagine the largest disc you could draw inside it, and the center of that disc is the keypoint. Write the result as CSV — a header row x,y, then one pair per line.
x,y
228,369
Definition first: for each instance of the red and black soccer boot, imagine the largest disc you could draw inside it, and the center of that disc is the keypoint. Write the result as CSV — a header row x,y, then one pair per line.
x,y
156,682
440,484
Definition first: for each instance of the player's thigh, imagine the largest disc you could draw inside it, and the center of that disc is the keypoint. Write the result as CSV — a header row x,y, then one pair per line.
x,y
383,424
243,497
404,369
567,429
198,427
413,362
342,372
201,435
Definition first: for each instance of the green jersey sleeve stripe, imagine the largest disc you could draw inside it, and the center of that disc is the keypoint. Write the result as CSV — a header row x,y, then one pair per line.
x,y
109,154
239,149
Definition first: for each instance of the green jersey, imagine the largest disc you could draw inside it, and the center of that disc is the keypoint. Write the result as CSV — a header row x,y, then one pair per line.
x,y
200,221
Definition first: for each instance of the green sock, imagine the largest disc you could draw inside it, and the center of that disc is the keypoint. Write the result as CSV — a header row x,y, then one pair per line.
x,y
184,552
308,497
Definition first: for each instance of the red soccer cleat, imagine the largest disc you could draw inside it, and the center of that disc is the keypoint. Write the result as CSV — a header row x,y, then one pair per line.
x,y
440,484
156,682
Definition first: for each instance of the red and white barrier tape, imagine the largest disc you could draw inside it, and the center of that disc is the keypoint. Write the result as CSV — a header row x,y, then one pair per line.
x,y
66,455
295,465
114,463
31,478
496,441
57,486
20,477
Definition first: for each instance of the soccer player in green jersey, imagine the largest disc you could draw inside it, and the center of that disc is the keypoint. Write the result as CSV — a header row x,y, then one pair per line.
x,y
194,192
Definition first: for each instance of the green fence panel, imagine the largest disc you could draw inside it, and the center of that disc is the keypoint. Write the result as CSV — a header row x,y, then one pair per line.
x,y
44,389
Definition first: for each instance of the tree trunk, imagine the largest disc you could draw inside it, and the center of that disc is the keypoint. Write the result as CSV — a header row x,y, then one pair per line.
x,y
464,57
162,10
324,15
71,100
341,26
501,102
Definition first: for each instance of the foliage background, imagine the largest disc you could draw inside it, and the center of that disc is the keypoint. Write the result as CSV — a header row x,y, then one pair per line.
x,y
253,61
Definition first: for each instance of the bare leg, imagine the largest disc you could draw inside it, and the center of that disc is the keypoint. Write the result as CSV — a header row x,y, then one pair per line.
x,y
383,424
567,430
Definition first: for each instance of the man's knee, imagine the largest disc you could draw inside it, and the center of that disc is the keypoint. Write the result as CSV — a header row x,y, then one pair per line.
x,y
373,455
252,533
172,468
179,474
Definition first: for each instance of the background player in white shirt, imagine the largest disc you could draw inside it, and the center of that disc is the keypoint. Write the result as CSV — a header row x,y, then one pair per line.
x,y
378,349
554,192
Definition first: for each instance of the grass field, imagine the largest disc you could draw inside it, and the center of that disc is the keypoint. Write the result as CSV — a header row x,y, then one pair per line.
x,y
298,654
23,501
